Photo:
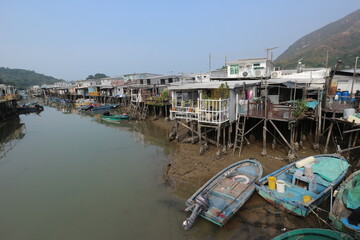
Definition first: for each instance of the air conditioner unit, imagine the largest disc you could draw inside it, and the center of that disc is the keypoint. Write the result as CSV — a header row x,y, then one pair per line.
x,y
276,74
258,73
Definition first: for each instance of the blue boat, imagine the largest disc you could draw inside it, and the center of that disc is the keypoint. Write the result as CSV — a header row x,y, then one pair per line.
x,y
345,213
303,184
103,107
224,194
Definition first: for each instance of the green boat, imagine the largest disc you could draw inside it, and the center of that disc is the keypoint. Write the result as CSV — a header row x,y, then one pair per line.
x,y
347,203
115,118
313,234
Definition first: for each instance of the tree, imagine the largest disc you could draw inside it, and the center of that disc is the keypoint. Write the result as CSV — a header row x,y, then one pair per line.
x,y
97,76
100,75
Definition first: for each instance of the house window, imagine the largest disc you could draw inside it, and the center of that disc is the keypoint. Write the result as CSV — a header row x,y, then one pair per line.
x,y
234,69
141,81
170,80
257,66
148,81
162,81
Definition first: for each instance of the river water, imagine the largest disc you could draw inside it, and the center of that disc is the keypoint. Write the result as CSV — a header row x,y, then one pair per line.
x,y
65,175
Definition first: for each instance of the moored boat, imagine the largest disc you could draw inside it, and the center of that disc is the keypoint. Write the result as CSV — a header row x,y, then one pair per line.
x,y
303,184
30,108
345,213
224,194
116,118
103,107
313,234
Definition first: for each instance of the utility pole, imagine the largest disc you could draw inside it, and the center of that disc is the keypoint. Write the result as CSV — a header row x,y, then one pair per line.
x,y
327,59
354,77
268,50
209,62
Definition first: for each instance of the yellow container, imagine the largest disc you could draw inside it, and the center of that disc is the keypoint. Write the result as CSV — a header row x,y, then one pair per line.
x,y
272,182
306,198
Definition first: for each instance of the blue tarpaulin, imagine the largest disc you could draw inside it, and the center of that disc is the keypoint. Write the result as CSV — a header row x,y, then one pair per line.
x,y
312,104
330,168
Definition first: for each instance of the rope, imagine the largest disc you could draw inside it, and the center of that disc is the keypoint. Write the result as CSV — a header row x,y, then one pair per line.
x,y
321,218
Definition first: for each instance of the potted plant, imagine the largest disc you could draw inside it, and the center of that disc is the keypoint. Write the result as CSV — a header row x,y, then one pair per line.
x,y
173,108
190,105
182,104
300,108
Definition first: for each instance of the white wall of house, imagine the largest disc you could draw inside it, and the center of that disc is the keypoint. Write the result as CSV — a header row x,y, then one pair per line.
x,y
344,83
249,68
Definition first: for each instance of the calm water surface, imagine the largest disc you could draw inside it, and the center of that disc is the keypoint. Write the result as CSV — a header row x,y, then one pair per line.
x,y
70,176
65,175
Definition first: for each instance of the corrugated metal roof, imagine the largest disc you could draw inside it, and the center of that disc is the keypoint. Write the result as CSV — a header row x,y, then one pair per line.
x,y
214,85
248,60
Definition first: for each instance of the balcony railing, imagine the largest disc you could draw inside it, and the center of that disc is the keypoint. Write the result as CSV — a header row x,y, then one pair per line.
x,y
212,111
274,111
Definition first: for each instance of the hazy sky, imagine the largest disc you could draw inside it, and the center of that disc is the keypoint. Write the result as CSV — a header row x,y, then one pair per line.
x,y
71,39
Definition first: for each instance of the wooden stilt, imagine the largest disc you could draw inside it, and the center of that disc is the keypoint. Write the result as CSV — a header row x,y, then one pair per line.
x,y
218,136
224,135
176,128
229,135
264,153
199,133
329,133
349,144
283,138
192,132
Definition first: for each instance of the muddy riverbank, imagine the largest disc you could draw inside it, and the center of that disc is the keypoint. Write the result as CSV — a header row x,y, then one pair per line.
x,y
257,219
189,166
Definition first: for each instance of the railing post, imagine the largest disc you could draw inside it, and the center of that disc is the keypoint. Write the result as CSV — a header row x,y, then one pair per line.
x,y
220,112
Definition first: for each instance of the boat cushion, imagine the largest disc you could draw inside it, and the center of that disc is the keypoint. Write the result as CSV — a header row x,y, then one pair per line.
x,y
330,168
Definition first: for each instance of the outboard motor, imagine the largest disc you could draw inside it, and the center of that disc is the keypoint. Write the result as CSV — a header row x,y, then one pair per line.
x,y
107,113
201,205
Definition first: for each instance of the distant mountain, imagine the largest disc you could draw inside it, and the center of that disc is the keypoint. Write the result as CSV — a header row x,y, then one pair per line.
x,y
24,78
341,39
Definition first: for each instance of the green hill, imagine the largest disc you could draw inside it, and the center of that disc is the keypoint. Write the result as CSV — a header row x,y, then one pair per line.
x,y
23,79
341,39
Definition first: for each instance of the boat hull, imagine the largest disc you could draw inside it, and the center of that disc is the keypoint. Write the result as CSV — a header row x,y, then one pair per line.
x,y
292,199
339,210
115,119
225,194
313,233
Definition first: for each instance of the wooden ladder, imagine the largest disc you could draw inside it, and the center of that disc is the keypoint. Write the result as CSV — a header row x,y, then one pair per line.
x,y
144,111
240,133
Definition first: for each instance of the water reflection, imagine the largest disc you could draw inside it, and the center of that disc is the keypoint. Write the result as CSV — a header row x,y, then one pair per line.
x,y
144,132
11,132
65,108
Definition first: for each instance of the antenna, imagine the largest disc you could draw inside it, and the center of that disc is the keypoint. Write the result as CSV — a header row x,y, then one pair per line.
x,y
267,50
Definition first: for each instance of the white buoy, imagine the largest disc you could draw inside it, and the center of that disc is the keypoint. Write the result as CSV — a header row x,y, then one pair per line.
x,y
305,161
